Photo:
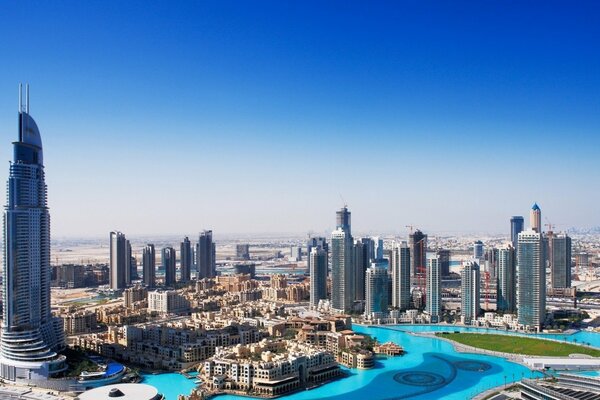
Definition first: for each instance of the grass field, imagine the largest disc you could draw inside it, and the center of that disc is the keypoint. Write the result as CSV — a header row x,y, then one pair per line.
x,y
519,345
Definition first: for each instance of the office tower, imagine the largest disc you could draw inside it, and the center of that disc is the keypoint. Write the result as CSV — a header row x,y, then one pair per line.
x,y
506,279
295,253
491,262
400,265
560,260
342,220
342,273
206,256
376,298
30,335
417,242
516,227
318,242
242,251
128,272
120,268
433,298
360,258
168,264
377,249
133,267
470,281
185,260
535,218
149,265
318,275
369,246
531,280
444,256
478,250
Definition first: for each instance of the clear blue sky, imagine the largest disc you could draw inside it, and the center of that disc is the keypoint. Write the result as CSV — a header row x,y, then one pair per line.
x,y
250,116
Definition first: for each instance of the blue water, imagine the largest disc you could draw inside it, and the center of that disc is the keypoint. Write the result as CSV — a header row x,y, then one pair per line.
x,y
170,385
430,369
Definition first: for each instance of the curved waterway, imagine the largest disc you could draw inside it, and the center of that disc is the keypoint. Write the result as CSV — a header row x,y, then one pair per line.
x,y
430,369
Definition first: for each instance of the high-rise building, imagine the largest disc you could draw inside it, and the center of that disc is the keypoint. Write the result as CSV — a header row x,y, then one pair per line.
x,y
206,256
377,249
400,265
168,264
417,242
535,218
506,300
120,258
342,220
30,335
470,291
133,267
516,227
318,242
242,251
342,273
149,265
376,298
560,260
129,275
478,250
360,258
444,256
433,298
318,275
531,280
185,260
491,262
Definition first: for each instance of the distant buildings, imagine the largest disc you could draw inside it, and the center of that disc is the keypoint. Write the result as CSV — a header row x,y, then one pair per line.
x,y
376,298
400,266
120,268
206,256
531,280
185,260
318,275
242,251
295,253
149,266
506,293
433,299
478,250
168,264
470,291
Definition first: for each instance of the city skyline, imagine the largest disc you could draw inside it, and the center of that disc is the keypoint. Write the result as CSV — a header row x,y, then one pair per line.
x,y
265,97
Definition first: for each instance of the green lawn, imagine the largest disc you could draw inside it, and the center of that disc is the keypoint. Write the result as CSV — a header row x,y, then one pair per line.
x,y
519,345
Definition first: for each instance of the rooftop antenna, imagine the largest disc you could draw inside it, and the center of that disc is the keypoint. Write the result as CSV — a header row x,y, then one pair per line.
x,y
20,97
27,98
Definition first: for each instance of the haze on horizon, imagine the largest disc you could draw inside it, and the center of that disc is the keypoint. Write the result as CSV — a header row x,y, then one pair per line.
x,y
259,116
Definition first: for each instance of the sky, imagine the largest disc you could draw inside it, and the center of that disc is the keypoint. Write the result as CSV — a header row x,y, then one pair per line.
x,y
163,117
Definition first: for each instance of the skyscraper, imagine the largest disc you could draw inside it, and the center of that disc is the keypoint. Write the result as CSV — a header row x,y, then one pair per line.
x,y
318,275
342,273
377,249
206,256
120,268
470,291
516,227
560,260
417,242
168,264
342,220
506,279
30,335
129,273
400,265
535,218
444,256
531,280
478,250
149,265
360,258
319,242
433,300
376,298
185,260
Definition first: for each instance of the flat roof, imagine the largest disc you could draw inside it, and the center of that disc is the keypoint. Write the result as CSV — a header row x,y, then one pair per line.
x,y
131,391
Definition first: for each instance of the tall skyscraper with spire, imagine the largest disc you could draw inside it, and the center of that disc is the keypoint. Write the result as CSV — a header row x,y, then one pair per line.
x,y
342,272
30,335
535,218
